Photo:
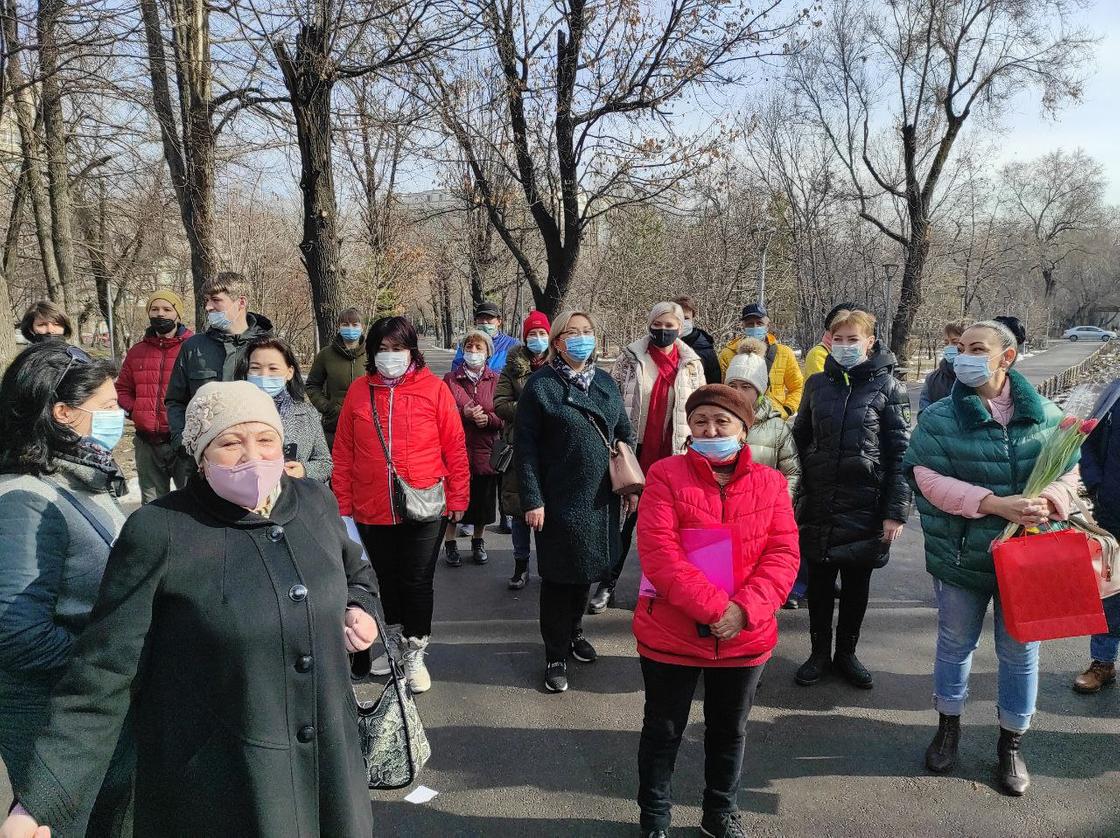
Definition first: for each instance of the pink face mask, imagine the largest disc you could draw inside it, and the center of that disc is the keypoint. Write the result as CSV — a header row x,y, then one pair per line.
x,y
248,485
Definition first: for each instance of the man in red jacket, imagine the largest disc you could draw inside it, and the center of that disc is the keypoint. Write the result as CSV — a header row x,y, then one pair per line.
x,y
141,388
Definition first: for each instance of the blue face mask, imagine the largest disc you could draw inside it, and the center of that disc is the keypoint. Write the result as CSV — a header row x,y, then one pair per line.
x,y
537,345
580,347
350,333
848,355
756,332
972,370
107,427
218,320
950,352
271,384
718,449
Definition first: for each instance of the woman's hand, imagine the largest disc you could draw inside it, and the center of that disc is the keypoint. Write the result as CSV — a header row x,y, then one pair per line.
x,y
455,517
892,530
630,504
733,621
359,629
480,417
1026,512
294,469
534,519
23,826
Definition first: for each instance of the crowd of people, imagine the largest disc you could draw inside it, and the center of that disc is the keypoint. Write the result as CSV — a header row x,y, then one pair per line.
x,y
187,670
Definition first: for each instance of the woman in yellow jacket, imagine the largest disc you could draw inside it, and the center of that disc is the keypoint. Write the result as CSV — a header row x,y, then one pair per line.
x,y
786,381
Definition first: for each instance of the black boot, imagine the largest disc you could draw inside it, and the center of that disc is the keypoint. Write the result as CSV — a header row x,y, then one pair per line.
x,y
819,660
603,596
478,551
520,574
941,755
848,665
452,554
1013,774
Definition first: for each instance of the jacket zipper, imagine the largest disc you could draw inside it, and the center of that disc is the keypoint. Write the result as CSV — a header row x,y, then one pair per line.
x,y
840,438
162,358
389,459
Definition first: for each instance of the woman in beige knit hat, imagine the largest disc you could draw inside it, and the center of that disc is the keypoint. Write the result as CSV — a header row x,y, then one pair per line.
x,y
222,628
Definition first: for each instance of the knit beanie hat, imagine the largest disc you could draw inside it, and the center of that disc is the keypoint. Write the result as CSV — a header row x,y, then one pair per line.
x,y
220,405
482,336
724,397
749,365
167,296
534,320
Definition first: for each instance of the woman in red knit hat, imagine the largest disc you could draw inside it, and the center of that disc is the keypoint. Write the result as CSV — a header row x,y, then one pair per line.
x,y
718,547
521,363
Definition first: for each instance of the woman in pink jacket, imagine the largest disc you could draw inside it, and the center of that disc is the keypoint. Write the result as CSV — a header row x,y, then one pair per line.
x,y
712,507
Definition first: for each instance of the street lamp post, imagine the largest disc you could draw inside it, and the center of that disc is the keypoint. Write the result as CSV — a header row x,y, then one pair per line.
x,y
963,291
769,233
889,269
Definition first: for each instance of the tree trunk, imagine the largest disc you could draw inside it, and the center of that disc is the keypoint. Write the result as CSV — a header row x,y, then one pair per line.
x,y
1049,284
309,77
15,226
8,346
910,297
54,133
189,155
24,110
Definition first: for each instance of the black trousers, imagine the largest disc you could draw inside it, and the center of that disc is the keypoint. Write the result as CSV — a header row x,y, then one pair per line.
x,y
728,696
404,559
855,588
562,608
629,523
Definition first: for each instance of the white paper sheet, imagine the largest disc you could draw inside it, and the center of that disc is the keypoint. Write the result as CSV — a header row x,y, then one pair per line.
x,y
420,794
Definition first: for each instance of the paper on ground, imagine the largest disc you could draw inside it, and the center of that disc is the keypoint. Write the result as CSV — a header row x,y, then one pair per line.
x,y
420,794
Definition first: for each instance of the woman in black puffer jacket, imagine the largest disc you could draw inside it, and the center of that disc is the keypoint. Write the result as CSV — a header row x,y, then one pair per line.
x,y
851,433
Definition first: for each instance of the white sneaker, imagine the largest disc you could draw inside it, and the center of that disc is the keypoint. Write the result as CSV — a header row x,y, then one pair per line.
x,y
415,672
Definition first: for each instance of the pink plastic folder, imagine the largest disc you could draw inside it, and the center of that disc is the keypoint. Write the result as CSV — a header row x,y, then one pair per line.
x,y
709,550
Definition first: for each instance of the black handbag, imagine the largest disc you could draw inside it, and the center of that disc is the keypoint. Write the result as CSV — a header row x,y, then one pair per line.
x,y
501,456
394,744
421,506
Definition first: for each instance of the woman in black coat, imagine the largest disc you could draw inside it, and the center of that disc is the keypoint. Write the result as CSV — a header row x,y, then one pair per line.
x,y
851,433
563,465
222,626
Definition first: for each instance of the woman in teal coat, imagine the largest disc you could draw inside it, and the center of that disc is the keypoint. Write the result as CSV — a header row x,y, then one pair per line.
x,y
969,461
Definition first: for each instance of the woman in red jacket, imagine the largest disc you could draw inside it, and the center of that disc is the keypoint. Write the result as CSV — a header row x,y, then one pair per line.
x,y
472,385
141,386
718,547
422,430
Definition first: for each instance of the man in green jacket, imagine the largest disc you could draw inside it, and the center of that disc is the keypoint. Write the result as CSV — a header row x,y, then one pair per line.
x,y
335,368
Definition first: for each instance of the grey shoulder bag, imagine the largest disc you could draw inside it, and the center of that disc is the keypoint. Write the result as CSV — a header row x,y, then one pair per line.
x,y
421,506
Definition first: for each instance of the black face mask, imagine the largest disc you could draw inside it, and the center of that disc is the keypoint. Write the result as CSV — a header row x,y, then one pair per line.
x,y
663,337
162,325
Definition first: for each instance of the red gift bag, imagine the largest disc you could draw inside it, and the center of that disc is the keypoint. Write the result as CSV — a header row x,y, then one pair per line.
x,y
1047,586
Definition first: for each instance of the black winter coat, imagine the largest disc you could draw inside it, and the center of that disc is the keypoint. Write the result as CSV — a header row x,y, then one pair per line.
x,y
852,431
939,384
222,631
563,466
701,343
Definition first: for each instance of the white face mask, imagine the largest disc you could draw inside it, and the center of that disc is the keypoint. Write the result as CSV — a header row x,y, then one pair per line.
x,y
686,328
392,364
474,360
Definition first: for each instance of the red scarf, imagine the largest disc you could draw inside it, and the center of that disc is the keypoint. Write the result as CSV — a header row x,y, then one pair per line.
x,y
657,441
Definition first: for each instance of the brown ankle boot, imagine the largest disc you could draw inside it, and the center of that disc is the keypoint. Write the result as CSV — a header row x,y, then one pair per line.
x,y
1099,674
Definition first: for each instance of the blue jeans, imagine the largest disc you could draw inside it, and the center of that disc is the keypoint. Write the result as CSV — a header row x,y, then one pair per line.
x,y
1106,647
520,532
960,619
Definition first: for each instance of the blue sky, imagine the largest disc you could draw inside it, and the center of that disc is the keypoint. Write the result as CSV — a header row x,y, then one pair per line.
x,y
1092,124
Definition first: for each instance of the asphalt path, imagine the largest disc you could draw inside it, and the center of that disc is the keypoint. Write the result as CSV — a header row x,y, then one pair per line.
x,y
510,759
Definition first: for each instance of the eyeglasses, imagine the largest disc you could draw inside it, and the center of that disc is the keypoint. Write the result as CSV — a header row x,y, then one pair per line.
x,y
76,354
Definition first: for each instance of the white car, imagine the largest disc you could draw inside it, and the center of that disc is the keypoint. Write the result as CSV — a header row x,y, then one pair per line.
x,y
1088,333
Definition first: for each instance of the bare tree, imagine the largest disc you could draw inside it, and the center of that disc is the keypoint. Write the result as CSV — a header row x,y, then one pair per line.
x,y
1056,196
922,68
586,92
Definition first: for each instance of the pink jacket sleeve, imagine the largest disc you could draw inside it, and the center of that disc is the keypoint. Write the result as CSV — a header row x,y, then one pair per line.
x,y
663,559
950,495
776,569
1062,492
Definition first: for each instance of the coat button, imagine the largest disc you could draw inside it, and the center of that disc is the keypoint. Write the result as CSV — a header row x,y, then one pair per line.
x,y
275,533
306,734
304,663
297,593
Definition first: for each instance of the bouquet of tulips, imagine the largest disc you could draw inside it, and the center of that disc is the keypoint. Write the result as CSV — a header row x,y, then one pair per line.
x,y
1054,459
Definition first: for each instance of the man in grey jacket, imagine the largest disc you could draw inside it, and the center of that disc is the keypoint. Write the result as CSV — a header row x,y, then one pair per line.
x,y
213,354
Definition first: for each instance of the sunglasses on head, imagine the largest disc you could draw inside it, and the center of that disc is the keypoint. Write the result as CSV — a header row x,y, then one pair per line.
x,y
77,355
